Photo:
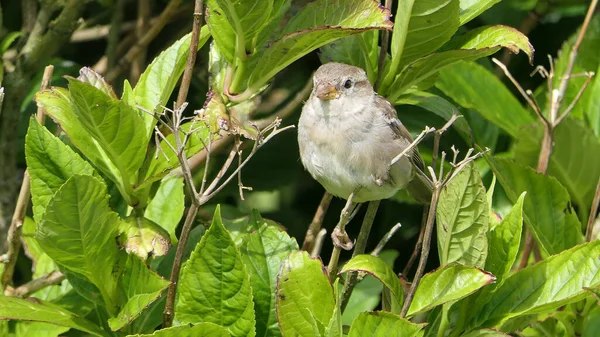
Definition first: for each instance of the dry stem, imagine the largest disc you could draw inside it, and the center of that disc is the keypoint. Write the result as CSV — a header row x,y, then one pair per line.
x,y
14,231
593,212
315,225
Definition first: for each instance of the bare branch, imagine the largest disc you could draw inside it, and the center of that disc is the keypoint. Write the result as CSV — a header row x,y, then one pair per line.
x,y
14,231
416,142
315,225
53,278
534,106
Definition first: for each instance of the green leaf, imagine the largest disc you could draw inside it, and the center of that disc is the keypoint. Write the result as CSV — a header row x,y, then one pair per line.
x,y
367,292
143,237
262,252
305,300
485,333
591,326
447,283
359,50
158,164
37,329
198,330
414,34
471,46
50,163
592,113
236,24
42,264
470,9
335,327
574,170
547,207
474,87
423,68
167,206
383,324
78,232
318,23
87,75
377,267
158,80
215,286
40,311
504,243
463,216
57,102
113,124
141,287
436,104
492,37
544,286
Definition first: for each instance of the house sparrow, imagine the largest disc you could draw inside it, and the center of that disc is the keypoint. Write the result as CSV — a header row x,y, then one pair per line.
x,y
348,136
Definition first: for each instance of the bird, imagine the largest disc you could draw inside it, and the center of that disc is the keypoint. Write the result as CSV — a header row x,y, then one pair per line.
x,y
348,136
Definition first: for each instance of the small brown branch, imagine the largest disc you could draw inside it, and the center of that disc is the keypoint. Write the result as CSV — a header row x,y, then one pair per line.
x,y
386,238
31,287
523,93
316,251
14,231
385,42
189,68
527,248
593,213
418,245
317,221
424,251
165,17
169,311
555,106
576,99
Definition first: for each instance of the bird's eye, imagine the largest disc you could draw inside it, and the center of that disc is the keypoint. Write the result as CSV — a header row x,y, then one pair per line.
x,y
348,84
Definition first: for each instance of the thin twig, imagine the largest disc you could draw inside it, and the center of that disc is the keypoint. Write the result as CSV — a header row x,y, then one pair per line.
x,y
359,248
576,99
189,68
386,238
418,245
416,142
317,221
31,287
523,93
572,58
424,251
14,231
593,213
316,250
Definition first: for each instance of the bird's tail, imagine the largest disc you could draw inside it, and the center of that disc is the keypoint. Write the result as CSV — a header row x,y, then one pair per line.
x,y
420,187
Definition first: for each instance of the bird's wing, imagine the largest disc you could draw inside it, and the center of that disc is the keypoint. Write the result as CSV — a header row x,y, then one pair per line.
x,y
399,130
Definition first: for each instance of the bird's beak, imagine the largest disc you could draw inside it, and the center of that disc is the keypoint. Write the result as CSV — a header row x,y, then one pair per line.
x,y
327,91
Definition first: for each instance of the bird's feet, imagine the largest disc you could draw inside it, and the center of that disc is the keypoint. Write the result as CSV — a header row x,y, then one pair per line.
x,y
341,239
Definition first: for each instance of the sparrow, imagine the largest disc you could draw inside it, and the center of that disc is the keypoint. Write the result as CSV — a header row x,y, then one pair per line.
x,y
348,136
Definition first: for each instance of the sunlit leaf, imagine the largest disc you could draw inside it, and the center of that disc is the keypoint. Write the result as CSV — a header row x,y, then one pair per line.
x,y
215,286
383,324
463,220
305,302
